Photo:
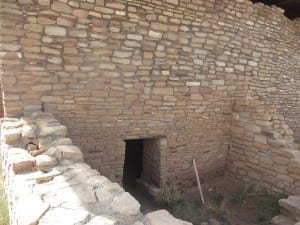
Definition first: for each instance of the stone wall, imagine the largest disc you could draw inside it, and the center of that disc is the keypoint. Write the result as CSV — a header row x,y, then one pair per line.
x,y
263,151
47,181
276,81
118,70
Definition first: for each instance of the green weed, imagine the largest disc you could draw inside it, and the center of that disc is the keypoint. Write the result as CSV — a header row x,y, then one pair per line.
x,y
267,207
243,193
168,196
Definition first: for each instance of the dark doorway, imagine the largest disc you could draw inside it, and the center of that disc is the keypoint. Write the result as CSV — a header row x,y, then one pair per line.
x,y
133,165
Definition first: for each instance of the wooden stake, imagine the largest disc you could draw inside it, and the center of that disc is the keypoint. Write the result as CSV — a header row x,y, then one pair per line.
x,y
198,181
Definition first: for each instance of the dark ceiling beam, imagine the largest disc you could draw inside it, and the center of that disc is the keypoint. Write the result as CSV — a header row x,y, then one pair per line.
x,y
287,2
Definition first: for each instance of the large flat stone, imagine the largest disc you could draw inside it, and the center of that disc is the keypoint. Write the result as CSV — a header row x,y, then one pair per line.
x,y
65,217
22,163
126,204
102,220
282,220
45,162
30,209
163,217
290,207
29,131
69,152
12,136
58,130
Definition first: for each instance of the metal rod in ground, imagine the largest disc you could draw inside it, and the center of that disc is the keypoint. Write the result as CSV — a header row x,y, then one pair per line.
x,y
198,181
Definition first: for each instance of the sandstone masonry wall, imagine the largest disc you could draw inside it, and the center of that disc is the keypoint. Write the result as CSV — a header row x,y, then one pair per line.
x,y
263,151
117,70
47,181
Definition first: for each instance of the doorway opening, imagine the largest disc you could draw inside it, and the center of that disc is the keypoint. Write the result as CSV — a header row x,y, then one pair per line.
x,y
142,169
142,165
133,164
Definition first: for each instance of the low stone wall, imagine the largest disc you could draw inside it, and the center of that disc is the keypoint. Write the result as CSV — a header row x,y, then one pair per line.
x,y
47,181
262,150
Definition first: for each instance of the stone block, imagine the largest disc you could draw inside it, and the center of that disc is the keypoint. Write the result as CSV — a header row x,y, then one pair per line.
x,y
155,34
193,84
30,209
45,162
122,54
136,37
103,195
103,220
29,131
163,91
55,31
80,13
12,136
61,7
174,2
65,216
71,152
22,162
64,22
163,217
126,204
44,2
34,27
78,33
58,130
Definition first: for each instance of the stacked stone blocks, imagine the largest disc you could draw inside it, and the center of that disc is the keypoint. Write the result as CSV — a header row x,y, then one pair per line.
x,y
47,181
113,70
262,150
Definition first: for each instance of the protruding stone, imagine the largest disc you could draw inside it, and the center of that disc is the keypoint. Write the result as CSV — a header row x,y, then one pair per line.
x,y
126,204
291,207
69,152
282,220
45,162
29,131
23,162
12,136
58,130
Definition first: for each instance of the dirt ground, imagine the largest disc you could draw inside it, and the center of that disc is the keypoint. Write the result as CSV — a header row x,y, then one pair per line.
x,y
226,203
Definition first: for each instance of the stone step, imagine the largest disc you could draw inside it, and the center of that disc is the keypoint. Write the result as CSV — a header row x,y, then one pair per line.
x,y
282,220
290,207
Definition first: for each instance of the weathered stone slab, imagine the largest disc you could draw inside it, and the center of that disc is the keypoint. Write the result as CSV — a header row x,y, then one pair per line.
x,y
45,162
12,136
102,220
29,131
30,209
163,217
103,195
22,162
126,204
65,217
69,152
53,131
